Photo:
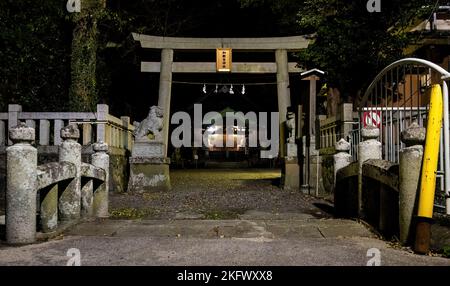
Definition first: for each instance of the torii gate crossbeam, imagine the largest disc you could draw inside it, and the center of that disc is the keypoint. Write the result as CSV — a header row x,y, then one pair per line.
x,y
279,45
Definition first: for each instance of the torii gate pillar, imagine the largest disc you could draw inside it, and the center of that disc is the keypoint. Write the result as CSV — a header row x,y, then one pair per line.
x,y
284,95
165,92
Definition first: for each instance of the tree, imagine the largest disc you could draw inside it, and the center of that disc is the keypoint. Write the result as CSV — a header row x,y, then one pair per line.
x,y
351,44
83,88
34,54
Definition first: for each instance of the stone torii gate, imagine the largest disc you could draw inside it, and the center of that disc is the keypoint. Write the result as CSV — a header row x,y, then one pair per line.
x,y
279,45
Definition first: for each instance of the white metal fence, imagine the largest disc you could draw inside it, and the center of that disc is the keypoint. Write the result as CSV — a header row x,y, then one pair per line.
x,y
398,96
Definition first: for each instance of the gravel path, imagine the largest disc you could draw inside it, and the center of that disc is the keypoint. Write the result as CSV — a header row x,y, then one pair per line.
x,y
216,194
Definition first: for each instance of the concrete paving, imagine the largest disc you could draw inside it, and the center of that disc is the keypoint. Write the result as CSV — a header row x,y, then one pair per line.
x,y
254,239
218,217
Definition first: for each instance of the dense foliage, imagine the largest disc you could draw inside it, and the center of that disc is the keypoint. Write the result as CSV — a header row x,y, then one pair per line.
x,y
350,43
35,38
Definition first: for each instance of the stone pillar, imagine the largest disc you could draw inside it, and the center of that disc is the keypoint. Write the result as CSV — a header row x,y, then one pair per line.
x,y
346,117
315,174
31,123
284,97
369,148
312,106
102,116
291,170
59,124
70,151
342,158
44,132
100,159
125,133
2,133
165,91
13,117
291,173
409,177
21,180
87,133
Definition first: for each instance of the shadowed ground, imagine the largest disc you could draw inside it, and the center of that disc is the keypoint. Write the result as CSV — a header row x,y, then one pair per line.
x,y
217,217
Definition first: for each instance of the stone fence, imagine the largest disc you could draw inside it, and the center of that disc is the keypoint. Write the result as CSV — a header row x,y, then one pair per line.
x,y
332,129
380,192
44,198
99,126
109,129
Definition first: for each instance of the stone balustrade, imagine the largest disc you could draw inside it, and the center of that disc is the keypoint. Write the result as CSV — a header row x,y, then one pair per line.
x,y
333,128
95,126
52,195
380,192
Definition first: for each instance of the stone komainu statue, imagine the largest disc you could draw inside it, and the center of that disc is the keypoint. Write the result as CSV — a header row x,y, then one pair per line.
x,y
290,124
152,125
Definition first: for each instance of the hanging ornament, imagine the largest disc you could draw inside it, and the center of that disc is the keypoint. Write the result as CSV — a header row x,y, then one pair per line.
x,y
243,89
217,89
231,90
204,88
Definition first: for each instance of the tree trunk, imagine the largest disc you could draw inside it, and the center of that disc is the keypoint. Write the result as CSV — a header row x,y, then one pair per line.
x,y
83,91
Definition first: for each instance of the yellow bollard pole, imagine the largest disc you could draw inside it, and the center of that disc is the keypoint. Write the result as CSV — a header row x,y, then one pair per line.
x,y
429,168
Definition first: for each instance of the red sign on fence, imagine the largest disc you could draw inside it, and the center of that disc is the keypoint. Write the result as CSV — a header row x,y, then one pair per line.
x,y
372,118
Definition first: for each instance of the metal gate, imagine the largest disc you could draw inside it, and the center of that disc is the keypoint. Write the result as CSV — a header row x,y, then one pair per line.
x,y
397,97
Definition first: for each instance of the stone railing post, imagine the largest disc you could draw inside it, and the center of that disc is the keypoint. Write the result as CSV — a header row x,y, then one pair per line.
x,y
13,117
3,139
346,119
44,132
87,133
58,125
102,115
342,158
21,190
100,159
70,151
369,148
125,132
409,177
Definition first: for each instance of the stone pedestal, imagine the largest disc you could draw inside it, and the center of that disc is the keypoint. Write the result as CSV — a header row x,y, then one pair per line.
x,y
291,150
290,178
149,169
148,149
291,174
315,175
